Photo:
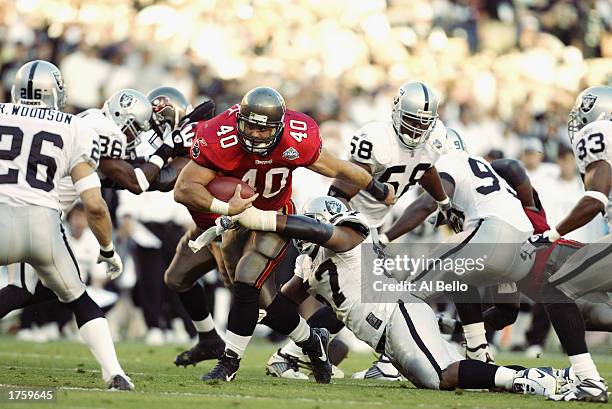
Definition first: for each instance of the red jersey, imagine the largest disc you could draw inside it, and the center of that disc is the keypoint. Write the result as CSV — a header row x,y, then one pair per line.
x,y
216,147
537,218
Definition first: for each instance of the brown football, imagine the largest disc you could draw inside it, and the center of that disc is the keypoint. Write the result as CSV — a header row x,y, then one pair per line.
x,y
223,187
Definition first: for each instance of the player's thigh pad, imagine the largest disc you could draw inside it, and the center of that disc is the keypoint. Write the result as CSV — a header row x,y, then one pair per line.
x,y
43,244
587,270
186,266
415,346
263,252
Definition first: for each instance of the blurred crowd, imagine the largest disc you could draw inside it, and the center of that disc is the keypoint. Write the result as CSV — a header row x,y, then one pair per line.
x,y
507,72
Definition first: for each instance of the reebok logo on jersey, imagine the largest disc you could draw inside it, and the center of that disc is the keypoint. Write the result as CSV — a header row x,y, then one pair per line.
x,y
195,149
291,154
263,162
588,101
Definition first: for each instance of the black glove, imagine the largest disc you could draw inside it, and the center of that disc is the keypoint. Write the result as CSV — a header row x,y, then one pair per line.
x,y
451,216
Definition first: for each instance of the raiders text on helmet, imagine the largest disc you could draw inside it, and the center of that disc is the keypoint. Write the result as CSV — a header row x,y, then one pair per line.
x,y
131,111
262,108
39,83
415,111
169,106
592,104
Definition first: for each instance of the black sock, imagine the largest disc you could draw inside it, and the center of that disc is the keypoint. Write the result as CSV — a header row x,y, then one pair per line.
x,y
566,320
476,374
194,301
244,311
500,316
12,298
282,315
85,309
325,317
468,305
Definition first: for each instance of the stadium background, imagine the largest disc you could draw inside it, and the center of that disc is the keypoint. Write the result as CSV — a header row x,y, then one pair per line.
x,y
507,71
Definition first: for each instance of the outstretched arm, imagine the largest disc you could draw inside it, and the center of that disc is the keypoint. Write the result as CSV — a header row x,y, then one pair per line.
x,y
353,175
597,183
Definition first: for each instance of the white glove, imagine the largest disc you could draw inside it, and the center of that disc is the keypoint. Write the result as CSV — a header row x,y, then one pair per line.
x,y
256,219
221,224
115,266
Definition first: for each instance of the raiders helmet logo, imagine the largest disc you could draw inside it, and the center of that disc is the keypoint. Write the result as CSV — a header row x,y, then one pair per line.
x,y
332,206
588,102
126,100
291,154
195,149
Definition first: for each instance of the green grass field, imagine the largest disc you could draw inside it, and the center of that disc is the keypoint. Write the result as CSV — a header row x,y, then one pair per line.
x,y
159,384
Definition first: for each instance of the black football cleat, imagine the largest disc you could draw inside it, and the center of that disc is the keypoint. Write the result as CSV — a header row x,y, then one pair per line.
x,y
316,347
204,350
121,383
226,368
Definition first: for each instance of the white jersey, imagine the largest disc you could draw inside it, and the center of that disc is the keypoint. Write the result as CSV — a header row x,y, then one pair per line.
x,y
113,142
480,193
377,145
112,146
40,146
335,279
593,143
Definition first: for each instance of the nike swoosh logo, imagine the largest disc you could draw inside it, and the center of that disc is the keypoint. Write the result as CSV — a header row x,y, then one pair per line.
x,y
323,354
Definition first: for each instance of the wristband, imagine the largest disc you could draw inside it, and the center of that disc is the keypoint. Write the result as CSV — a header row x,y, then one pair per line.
x,y
383,239
157,161
444,202
553,235
143,183
378,190
219,206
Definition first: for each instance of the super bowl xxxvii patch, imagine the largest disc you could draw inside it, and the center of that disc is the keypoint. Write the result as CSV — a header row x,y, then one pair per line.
x,y
291,154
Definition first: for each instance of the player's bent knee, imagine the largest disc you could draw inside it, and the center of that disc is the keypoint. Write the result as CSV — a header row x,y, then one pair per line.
x,y
85,309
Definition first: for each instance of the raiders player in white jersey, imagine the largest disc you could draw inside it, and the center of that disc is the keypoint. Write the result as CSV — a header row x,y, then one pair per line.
x,y
44,145
125,115
328,235
401,152
563,312
588,270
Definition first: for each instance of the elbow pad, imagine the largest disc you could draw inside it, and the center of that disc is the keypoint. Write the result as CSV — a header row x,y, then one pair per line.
x,y
165,180
308,229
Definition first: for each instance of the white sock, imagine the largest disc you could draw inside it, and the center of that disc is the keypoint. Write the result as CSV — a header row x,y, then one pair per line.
x,y
292,349
584,367
236,343
206,325
97,336
301,332
504,377
475,334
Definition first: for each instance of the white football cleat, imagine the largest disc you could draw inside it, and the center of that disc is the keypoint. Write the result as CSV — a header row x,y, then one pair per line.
x,y
535,381
586,390
382,370
482,353
285,366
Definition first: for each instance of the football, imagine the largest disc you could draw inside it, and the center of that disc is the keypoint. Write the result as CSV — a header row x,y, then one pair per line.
x,y
223,187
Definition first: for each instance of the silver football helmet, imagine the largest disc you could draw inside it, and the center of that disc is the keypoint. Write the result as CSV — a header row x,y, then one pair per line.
x,y
592,104
322,208
415,111
169,106
131,111
455,141
39,83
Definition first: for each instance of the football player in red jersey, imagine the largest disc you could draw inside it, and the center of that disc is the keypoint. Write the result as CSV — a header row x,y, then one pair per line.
x,y
260,142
